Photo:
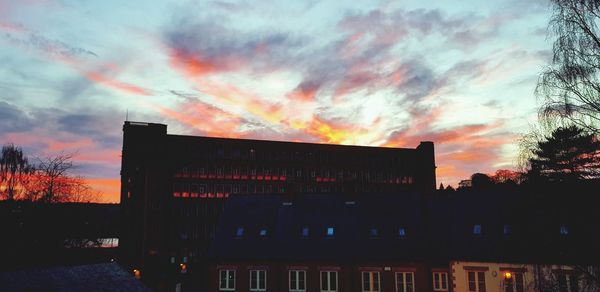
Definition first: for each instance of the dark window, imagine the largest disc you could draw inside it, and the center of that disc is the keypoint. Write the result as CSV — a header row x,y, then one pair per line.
x,y
374,232
305,231
477,229
402,232
239,232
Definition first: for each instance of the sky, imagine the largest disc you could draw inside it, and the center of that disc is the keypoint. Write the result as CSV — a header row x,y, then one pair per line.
x,y
380,73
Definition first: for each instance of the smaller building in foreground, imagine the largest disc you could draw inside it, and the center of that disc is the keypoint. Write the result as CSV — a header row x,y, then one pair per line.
x,y
409,243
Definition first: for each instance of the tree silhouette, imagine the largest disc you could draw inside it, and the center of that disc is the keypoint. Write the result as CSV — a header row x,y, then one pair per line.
x,y
568,154
14,169
54,182
49,179
570,86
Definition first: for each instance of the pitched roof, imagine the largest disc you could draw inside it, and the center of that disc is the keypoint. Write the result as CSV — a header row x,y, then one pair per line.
x,y
98,277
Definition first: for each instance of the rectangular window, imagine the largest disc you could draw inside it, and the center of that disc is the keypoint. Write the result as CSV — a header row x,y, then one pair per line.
x,y
476,281
513,282
305,231
477,229
370,282
405,282
440,281
258,280
401,232
297,280
329,281
568,283
330,232
507,230
227,280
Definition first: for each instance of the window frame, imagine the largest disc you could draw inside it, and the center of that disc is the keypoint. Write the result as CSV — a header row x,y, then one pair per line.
x,y
440,281
227,272
297,287
478,281
372,287
404,282
329,273
514,281
257,287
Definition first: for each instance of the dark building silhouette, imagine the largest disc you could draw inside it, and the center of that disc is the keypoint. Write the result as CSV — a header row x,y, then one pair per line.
x,y
42,234
407,242
173,187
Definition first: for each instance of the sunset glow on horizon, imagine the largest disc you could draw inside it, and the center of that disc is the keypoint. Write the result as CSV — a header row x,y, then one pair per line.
x,y
376,73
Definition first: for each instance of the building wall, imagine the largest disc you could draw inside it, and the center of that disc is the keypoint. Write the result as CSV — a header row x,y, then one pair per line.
x,y
349,275
494,275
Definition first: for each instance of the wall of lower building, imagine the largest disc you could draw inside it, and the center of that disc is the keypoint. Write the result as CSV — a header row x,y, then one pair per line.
x,y
494,275
349,275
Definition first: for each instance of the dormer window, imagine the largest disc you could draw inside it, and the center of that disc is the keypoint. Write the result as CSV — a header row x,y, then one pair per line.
x,y
263,232
305,231
402,232
374,232
564,231
330,232
507,230
239,232
477,229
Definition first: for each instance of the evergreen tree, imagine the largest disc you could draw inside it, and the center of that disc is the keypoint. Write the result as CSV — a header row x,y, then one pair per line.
x,y
568,154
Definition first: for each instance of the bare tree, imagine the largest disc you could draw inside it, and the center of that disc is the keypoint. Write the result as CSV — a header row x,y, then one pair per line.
x,y
14,169
54,182
570,86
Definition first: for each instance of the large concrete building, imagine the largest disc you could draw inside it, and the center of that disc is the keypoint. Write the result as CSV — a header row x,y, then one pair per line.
x,y
173,187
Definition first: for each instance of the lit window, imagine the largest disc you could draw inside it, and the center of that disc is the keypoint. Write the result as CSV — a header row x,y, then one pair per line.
x,y
305,231
297,281
329,281
405,282
476,281
263,231
402,232
258,280
239,232
370,281
513,281
374,232
330,232
440,281
477,229
564,230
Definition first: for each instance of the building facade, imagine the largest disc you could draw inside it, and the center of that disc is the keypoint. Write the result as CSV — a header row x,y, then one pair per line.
x,y
173,187
467,242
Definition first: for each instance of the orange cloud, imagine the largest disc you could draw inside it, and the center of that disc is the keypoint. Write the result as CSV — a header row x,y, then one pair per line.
x,y
206,118
336,133
191,65
104,76
114,84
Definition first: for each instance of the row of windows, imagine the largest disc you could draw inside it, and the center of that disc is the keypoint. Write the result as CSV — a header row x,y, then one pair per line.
x,y
182,190
329,232
323,156
297,281
267,173
194,190
507,230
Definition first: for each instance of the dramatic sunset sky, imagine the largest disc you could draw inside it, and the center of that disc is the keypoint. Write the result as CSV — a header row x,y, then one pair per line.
x,y
380,73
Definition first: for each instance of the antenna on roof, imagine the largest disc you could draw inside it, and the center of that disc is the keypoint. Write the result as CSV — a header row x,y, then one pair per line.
x,y
127,115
